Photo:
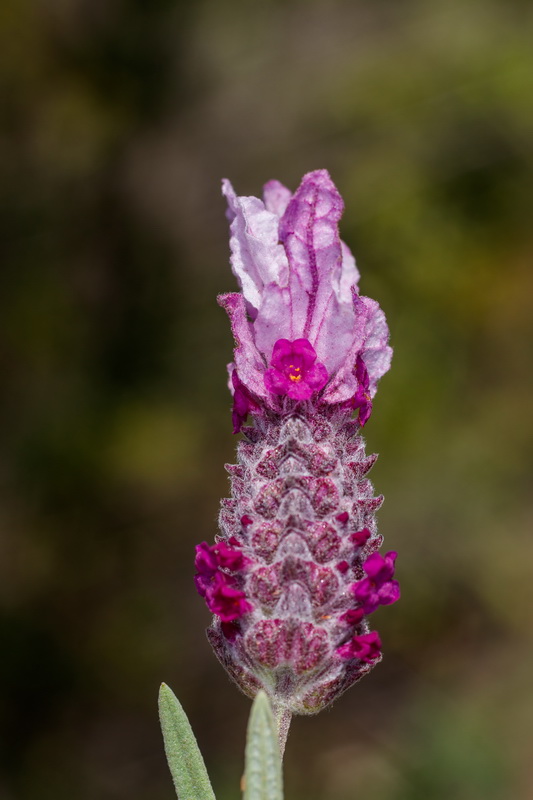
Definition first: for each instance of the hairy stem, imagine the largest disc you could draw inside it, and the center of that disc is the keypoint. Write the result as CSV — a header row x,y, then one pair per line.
x,y
283,720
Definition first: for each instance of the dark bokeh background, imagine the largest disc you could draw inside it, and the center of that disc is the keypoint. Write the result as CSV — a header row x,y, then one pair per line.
x,y
119,117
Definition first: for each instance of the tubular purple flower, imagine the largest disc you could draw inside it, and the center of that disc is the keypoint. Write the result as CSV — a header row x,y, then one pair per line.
x,y
296,570
366,647
294,372
378,588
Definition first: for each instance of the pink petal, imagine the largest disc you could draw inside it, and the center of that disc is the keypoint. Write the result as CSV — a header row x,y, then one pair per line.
x,y
303,349
370,341
389,593
276,197
349,275
276,382
282,350
300,390
248,362
309,232
317,377
376,352
257,258
322,271
273,319
344,384
374,565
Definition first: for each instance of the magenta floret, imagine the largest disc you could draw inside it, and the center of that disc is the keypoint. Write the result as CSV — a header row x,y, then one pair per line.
x,y
211,582
378,589
365,647
206,565
294,370
360,538
243,402
361,398
225,601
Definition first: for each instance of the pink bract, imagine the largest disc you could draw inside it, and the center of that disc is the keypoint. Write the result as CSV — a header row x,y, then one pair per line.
x,y
299,282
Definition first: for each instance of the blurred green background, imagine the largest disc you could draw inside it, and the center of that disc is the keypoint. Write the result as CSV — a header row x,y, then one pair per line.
x,y
119,118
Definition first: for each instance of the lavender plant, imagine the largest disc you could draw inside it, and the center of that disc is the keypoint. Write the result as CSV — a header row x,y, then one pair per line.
x,y
295,571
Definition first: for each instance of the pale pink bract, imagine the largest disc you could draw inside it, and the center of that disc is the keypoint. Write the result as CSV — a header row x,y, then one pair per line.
x,y
299,281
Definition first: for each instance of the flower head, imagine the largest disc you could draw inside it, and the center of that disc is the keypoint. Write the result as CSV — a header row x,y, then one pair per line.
x,y
296,572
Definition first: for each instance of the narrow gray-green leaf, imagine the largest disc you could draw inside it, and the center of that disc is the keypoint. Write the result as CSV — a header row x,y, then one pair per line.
x,y
262,774
183,754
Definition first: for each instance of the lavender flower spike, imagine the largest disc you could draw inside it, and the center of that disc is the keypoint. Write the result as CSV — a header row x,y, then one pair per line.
x,y
295,571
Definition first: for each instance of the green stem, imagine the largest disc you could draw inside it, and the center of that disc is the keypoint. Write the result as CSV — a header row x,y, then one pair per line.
x,y
283,719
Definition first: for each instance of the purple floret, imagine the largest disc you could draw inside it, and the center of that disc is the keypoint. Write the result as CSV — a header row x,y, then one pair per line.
x,y
378,589
366,647
225,601
294,371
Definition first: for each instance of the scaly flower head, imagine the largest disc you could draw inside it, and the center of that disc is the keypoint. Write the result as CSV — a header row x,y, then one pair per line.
x,y
295,572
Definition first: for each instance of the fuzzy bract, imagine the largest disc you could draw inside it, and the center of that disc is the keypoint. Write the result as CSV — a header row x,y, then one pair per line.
x,y
295,572
299,282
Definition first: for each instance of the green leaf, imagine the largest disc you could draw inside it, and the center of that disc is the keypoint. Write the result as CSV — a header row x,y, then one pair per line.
x,y
183,754
262,775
